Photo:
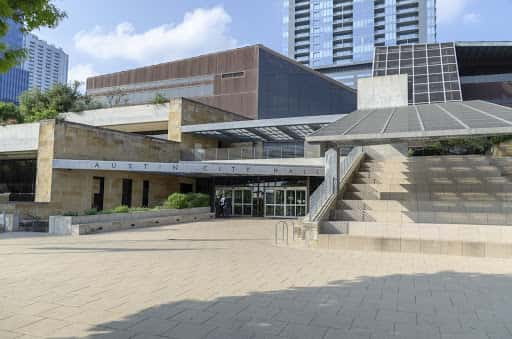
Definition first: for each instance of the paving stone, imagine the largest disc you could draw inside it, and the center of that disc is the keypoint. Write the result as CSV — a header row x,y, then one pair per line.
x,y
43,328
225,279
153,326
15,322
296,331
189,331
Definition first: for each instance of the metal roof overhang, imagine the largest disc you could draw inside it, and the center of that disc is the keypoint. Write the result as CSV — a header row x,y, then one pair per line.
x,y
417,123
276,130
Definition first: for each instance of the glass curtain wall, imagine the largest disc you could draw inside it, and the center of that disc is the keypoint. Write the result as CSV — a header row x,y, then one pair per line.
x,y
363,33
321,32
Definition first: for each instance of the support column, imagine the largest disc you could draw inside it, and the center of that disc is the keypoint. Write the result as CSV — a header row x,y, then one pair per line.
x,y
332,169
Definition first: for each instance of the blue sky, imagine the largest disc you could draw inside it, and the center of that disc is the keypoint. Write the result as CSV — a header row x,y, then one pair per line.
x,y
104,36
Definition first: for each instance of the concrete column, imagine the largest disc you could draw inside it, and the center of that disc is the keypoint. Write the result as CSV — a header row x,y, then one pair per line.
x,y
332,168
314,150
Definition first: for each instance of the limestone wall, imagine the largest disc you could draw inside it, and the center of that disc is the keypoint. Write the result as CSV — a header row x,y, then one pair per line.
x,y
72,191
184,112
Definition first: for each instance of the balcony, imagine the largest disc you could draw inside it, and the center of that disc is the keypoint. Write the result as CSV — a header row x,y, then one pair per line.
x,y
282,151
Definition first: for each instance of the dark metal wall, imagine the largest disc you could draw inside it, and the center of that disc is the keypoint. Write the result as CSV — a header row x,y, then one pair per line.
x,y
18,177
288,90
497,92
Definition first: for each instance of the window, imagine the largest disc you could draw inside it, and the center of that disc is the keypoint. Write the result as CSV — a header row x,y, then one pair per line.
x,y
186,188
126,198
145,193
233,75
98,189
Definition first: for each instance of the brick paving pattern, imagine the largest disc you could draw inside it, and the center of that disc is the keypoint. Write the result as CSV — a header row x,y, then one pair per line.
x,y
225,279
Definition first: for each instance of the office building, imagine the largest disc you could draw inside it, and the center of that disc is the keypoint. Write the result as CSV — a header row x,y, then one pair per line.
x,y
47,65
337,37
15,81
252,81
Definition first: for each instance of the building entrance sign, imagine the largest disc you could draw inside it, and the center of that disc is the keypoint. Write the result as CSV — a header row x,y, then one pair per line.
x,y
216,168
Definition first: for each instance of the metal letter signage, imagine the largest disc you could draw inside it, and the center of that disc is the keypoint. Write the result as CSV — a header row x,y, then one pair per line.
x,y
191,167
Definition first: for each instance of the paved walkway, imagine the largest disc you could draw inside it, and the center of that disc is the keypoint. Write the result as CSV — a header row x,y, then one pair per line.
x,y
224,279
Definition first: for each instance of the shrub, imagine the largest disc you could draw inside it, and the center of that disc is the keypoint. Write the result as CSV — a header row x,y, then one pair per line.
x,y
139,209
176,200
198,200
121,209
70,214
91,211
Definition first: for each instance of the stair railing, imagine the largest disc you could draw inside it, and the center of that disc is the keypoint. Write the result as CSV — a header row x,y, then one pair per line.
x,y
323,196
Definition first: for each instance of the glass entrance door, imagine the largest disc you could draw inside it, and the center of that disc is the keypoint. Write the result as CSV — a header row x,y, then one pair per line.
x,y
242,202
285,202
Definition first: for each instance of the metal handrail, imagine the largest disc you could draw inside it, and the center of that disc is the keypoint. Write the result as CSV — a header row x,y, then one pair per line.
x,y
327,190
283,226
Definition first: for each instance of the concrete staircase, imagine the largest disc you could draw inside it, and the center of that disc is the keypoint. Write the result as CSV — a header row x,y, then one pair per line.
x,y
442,190
462,204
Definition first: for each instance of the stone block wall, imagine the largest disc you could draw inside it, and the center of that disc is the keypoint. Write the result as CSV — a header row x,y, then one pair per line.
x,y
72,191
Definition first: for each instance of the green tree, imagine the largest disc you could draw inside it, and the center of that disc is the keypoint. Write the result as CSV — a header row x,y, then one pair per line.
x,y
9,113
36,105
159,99
29,15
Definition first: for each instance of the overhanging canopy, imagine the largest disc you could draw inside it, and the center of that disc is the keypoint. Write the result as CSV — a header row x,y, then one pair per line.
x,y
280,130
417,122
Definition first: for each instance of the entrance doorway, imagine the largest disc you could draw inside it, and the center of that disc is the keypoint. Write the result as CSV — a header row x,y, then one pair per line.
x,y
285,202
98,194
238,201
258,201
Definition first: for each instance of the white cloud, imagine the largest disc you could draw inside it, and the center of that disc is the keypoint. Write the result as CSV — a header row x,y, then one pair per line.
x,y
471,18
449,10
201,31
81,72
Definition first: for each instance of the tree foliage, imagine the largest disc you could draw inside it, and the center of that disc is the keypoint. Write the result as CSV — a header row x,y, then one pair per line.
x,y
9,114
469,145
28,15
36,105
160,99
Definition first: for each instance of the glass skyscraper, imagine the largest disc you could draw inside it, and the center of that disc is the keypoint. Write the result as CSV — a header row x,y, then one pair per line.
x,y
15,81
337,37
47,64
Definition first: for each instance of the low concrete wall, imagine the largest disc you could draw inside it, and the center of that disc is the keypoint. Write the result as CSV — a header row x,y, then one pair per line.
x,y
9,222
383,91
64,225
424,246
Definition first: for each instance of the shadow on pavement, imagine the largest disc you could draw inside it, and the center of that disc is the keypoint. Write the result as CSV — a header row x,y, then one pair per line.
x,y
438,305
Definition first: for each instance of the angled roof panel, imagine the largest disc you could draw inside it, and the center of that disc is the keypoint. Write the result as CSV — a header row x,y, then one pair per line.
x,y
418,122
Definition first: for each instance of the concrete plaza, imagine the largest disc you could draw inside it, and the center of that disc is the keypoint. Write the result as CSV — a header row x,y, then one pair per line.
x,y
225,279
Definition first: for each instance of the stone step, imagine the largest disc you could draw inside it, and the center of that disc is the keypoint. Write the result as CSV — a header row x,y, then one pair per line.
x,y
429,172
452,180
429,196
427,206
437,159
475,218
420,246
490,188
428,168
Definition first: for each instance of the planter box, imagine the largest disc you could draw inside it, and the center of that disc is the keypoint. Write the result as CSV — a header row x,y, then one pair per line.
x,y
90,224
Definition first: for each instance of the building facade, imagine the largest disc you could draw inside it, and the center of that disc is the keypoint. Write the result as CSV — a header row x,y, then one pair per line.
x,y
337,37
15,81
47,65
450,71
252,81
